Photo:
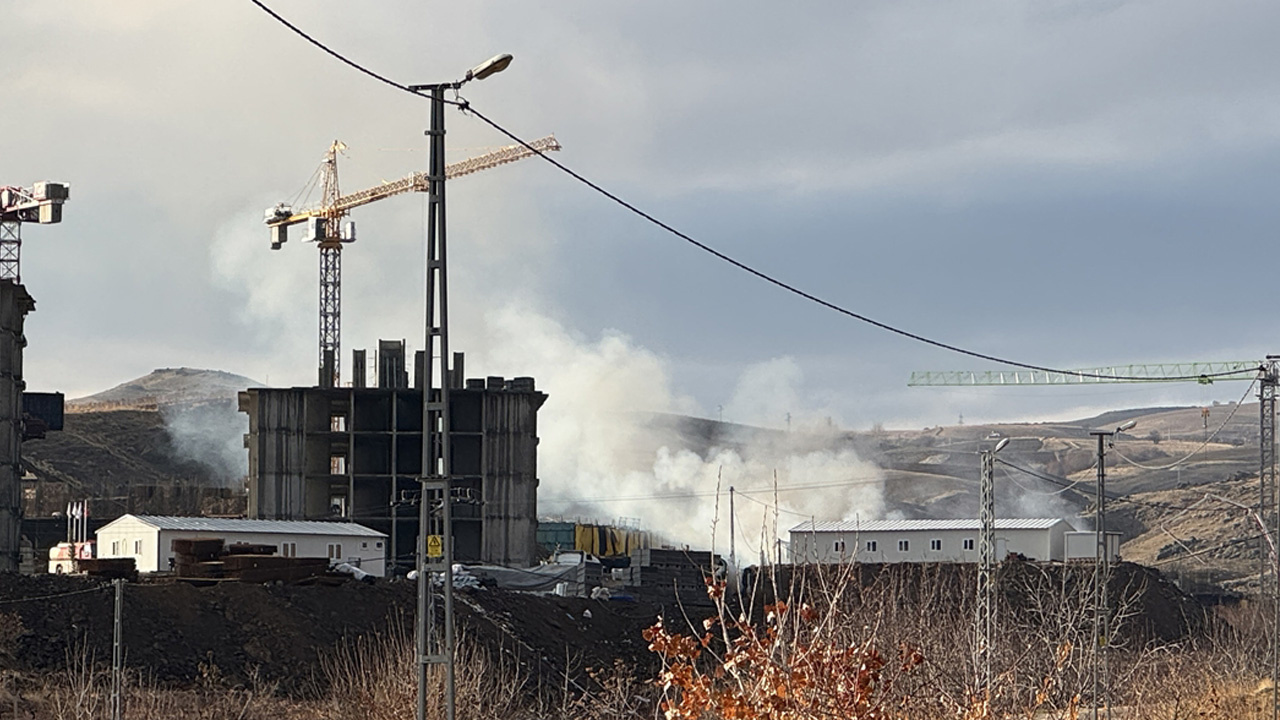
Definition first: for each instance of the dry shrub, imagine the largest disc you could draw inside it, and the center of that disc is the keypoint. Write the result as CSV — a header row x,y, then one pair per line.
x,y
839,642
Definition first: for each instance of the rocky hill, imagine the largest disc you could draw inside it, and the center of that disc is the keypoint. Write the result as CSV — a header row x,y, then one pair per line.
x,y
166,386
169,442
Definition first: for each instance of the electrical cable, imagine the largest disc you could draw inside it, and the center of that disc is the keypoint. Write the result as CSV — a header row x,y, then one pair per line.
x,y
464,105
55,596
771,506
1063,482
338,56
713,493
1203,445
745,541
1026,489
1202,551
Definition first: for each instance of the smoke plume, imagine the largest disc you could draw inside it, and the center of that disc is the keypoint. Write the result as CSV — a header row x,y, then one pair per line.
x,y
210,434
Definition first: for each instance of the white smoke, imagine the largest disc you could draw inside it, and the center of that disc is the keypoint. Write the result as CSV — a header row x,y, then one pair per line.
x,y
602,453
212,435
604,456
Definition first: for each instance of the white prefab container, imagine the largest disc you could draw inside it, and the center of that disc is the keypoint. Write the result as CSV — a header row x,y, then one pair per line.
x,y
148,539
897,541
1083,546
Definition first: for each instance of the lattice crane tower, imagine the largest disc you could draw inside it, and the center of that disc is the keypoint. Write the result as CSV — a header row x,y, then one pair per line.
x,y
41,203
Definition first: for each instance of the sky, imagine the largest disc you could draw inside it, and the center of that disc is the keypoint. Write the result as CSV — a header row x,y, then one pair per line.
x,y
1066,184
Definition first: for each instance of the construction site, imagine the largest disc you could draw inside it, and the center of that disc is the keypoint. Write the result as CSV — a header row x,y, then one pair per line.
x,y
631,427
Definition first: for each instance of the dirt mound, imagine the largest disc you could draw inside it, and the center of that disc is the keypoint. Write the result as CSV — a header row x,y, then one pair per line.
x,y
1153,608
178,632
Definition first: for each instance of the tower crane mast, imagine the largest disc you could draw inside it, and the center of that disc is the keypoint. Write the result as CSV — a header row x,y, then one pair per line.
x,y
41,203
324,227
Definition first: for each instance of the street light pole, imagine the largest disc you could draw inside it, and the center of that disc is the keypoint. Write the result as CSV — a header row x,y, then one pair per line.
x,y
1102,574
986,597
435,533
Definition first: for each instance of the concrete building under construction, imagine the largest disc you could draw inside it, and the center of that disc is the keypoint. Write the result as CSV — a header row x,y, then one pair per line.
x,y
356,453
15,303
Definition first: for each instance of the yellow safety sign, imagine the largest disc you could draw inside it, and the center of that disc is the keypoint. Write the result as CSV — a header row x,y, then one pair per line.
x,y
435,546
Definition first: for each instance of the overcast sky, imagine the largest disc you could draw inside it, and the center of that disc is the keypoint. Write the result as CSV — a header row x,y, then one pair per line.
x,y
1063,183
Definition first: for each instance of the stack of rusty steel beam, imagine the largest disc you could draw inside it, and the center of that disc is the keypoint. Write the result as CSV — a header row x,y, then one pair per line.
x,y
213,558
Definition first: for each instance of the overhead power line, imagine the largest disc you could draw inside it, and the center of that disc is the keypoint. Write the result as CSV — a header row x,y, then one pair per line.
x,y
1202,445
1065,483
712,493
55,596
462,104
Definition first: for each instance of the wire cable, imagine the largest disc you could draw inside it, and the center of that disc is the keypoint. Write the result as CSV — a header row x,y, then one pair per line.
x,y
1202,551
1203,445
1063,482
55,596
1009,476
771,506
788,287
338,56
713,493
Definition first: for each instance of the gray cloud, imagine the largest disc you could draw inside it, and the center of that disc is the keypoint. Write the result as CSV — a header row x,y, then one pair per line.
x,y
993,174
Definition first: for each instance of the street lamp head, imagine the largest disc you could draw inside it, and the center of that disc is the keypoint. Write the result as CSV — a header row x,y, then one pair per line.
x,y
1129,425
492,66
1000,445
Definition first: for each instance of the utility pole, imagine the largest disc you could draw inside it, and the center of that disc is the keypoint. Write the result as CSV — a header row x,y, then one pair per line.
x,y
985,619
1267,376
1269,511
1102,576
117,652
435,540
732,535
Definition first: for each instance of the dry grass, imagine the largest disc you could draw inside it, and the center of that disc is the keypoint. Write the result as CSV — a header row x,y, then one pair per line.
x,y
898,649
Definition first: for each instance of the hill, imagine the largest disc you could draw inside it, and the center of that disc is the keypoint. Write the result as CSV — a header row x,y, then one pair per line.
x,y
167,386
169,442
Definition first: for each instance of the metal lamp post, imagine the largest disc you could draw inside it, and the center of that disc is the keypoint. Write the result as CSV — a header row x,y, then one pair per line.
x,y
435,534
1102,573
986,595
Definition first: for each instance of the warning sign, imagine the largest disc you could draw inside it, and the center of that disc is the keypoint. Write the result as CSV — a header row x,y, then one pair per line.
x,y
435,546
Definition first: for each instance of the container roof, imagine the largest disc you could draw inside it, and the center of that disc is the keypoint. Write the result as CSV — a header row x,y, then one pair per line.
x,y
854,526
234,525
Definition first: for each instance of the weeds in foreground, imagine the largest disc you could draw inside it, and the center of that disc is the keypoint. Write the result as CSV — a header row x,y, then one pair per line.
x,y
830,643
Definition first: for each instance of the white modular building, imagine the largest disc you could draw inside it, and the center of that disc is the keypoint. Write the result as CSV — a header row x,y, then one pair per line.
x,y
1083,546
922,541
148,539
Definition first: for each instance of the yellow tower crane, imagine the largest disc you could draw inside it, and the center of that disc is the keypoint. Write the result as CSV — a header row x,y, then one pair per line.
x,y
325,228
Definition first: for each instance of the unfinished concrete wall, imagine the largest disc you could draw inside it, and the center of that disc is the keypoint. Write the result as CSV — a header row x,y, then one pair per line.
x,y
15,304
356,453
277,449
